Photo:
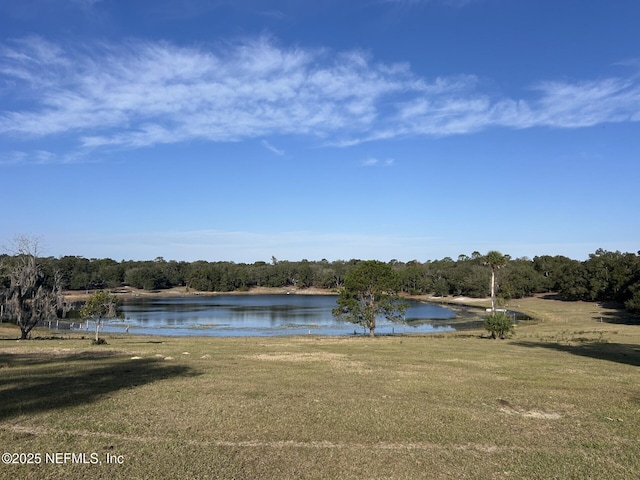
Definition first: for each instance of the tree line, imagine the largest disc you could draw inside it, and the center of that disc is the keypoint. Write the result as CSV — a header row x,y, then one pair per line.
x,y
604,276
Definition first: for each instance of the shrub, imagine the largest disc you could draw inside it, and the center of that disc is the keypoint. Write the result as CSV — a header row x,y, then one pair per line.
x,y
499,325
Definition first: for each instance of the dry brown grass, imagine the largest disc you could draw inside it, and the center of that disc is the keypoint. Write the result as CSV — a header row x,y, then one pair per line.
x,y
559,400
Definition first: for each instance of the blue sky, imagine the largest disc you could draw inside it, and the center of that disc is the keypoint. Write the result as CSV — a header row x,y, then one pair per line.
x,y
238,130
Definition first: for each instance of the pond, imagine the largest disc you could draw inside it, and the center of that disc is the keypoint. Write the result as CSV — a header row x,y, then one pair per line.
x,y
271,315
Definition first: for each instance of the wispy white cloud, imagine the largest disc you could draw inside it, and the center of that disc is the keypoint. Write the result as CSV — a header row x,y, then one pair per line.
x,y
138,93
13,158
271,148
143,94
42,157
375,162
587,103
85,3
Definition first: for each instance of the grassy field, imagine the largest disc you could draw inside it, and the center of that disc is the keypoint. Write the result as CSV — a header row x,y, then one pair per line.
x,y
561,399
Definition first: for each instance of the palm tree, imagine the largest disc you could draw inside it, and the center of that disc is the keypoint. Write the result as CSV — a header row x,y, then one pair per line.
x,y
495,260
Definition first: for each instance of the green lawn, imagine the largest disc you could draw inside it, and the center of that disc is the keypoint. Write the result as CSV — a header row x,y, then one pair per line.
x,y
561,399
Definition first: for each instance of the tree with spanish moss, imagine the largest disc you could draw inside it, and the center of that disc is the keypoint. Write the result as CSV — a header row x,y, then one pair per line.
x,y
28,298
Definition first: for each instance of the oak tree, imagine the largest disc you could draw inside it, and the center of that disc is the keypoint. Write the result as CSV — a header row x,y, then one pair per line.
x,y
28,298
100,305
370,289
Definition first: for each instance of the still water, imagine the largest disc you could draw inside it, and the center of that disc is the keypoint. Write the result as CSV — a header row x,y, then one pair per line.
x,y
265,315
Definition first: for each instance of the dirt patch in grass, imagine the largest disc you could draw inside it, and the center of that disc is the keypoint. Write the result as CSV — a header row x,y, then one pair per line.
x,y
334,361
506,407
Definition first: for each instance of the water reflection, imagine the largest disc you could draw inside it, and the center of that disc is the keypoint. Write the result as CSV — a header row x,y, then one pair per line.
x,y
266,315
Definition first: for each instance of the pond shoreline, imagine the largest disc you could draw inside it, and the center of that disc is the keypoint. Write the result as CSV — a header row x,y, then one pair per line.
x,y
130,292
266,315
